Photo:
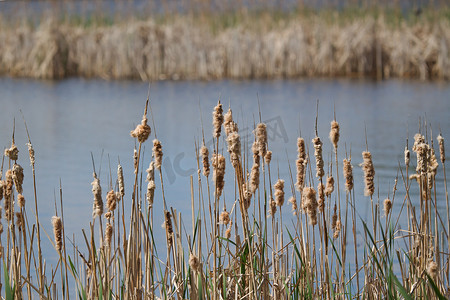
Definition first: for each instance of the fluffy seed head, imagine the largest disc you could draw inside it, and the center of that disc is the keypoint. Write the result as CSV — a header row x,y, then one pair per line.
x,y
205,158
407,156
254,176
369,173
194,262
31,153
169,229
108,235
272,208
234,148
279,192
57,229
97,209
334,218
17,174
19,221
432,269
142,131
151,184
348,174
224,218
337,229
157,153
309,204
387,206
301,169
441,148
319,159
261,138
12,153
229,125
334,133
321,201
21,200
217,119
228,232
268,157
301,149
218,163
330,186
293,201
111,200
120,180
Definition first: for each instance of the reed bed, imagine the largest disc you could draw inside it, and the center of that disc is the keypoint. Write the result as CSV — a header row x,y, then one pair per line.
x,y
241,245
216,47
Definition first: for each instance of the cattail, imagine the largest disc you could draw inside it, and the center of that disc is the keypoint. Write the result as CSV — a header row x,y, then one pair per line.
x,y
2,186
111,200
108,215
151,186
120,180
261,138
7,193
432,269
334,218
387,206
254,178
31,153
330,186
108,235
279,192
321,201
234,148
301,148
337,229
12,153
169,229
205,158
348,174
369,173
228,123
309,204
422,153
17,174
432,162
142,131
407,156
97,209
301,168
272,207
217,119
317,143
334,134
194,262
57,229
441,148
218,163
247,196
293,201
224,218
19,221
228,232
135,160
268,157
157,153
21,200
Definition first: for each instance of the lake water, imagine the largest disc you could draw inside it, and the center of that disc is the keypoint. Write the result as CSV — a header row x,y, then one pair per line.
x,y
70,119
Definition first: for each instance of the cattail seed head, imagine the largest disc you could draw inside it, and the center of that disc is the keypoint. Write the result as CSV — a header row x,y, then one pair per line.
x,y
261,138
218,163
279,192
205,158
217,119
12,153
142,131
330,186
369,173
135,160
321,201
151,186
157,153
334,217
17,174
334,133
432,269
268,157
2,186
387,206
57,232
247,197
337,229
301,149
309,204
108,235
441,148
224,218
120,180
228,232
254,176
301,169
97,209
21,200
272,207
19,221
293,201
108,215
111,200
348,174
407,156
234,148
194,262
169,229
228,123
31,153
317,143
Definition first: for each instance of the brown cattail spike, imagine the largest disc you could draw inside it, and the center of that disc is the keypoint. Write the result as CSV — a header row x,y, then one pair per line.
x,y
309,204
194,262
108,235
334,133
279,192
111,200
205,159
169,229
17,173
218,163
217,119
21,200
142,131
321,201
157,153
261,138
317,143
441,148
330,186
387,206
293,201
12,153
31,153
348,174
228,123
234,148
120,180
369,173
57,232
151,186
97,209
224,218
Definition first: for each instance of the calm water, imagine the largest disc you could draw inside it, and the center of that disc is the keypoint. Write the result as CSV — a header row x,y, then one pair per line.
x,y
70,119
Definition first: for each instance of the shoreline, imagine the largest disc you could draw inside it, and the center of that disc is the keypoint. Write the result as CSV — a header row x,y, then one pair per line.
x,y
247,47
